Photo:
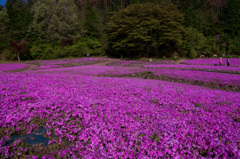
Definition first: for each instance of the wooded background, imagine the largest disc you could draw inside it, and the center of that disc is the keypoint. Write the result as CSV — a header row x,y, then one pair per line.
x,y
48,29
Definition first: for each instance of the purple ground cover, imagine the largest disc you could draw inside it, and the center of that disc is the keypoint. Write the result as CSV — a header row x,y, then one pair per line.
x,y
197,67
94,70
11,66
105,117
199,76
233,61
178,74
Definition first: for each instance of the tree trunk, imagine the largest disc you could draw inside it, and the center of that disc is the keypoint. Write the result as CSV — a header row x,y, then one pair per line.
x,y
18,57
147,48
110,4
105,4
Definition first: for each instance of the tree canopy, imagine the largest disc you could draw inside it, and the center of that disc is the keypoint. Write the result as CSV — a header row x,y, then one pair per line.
x,y
141,26
54,20
136,28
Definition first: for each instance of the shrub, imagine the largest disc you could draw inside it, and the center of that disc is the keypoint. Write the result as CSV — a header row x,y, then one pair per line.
x,y
89,46
81,48
193,54
8,55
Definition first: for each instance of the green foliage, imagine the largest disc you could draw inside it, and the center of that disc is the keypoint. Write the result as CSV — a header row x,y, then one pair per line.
x,y
140,27
69,27
44,51
194,44
8,55
53,22
135,1
89,46
137,28
230,19
193,54
20,18
234,47
199,105
91,23
45,21
79,49
214,46
199,15
4,24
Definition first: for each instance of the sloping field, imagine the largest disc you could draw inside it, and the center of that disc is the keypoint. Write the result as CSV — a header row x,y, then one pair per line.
x,y
62,113
233,61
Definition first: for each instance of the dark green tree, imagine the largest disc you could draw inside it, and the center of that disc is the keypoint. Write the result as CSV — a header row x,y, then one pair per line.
x,y
194,43
234,45
230,19
55,21
4,26
1,7
92,22
141,27
19,18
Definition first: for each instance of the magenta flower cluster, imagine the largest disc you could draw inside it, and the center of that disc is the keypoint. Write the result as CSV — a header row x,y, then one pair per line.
x,y
197,67
203,76
106,117
233,61
213,77
94,70
12,66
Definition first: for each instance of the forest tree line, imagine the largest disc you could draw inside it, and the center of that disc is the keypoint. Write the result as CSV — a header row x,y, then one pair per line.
x,y
48,29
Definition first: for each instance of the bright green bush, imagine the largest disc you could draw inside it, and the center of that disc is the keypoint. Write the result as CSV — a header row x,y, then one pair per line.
x,y
81,48
89,46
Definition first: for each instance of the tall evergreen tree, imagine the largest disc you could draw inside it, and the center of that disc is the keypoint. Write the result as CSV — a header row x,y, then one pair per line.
x,y
91,23
20,18
4,26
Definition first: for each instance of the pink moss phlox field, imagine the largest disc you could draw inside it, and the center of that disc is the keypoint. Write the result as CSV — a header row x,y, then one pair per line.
x,y
106,117
199,76
203,76
233,61
94,70
11,66
196,67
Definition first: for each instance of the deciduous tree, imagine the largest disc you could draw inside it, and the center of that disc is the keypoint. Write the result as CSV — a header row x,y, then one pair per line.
x,y
55,20
142,26
19,47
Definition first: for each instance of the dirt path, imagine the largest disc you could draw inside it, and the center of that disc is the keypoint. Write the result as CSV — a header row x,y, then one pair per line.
x,y
109,60
30,68
33,66
180,61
